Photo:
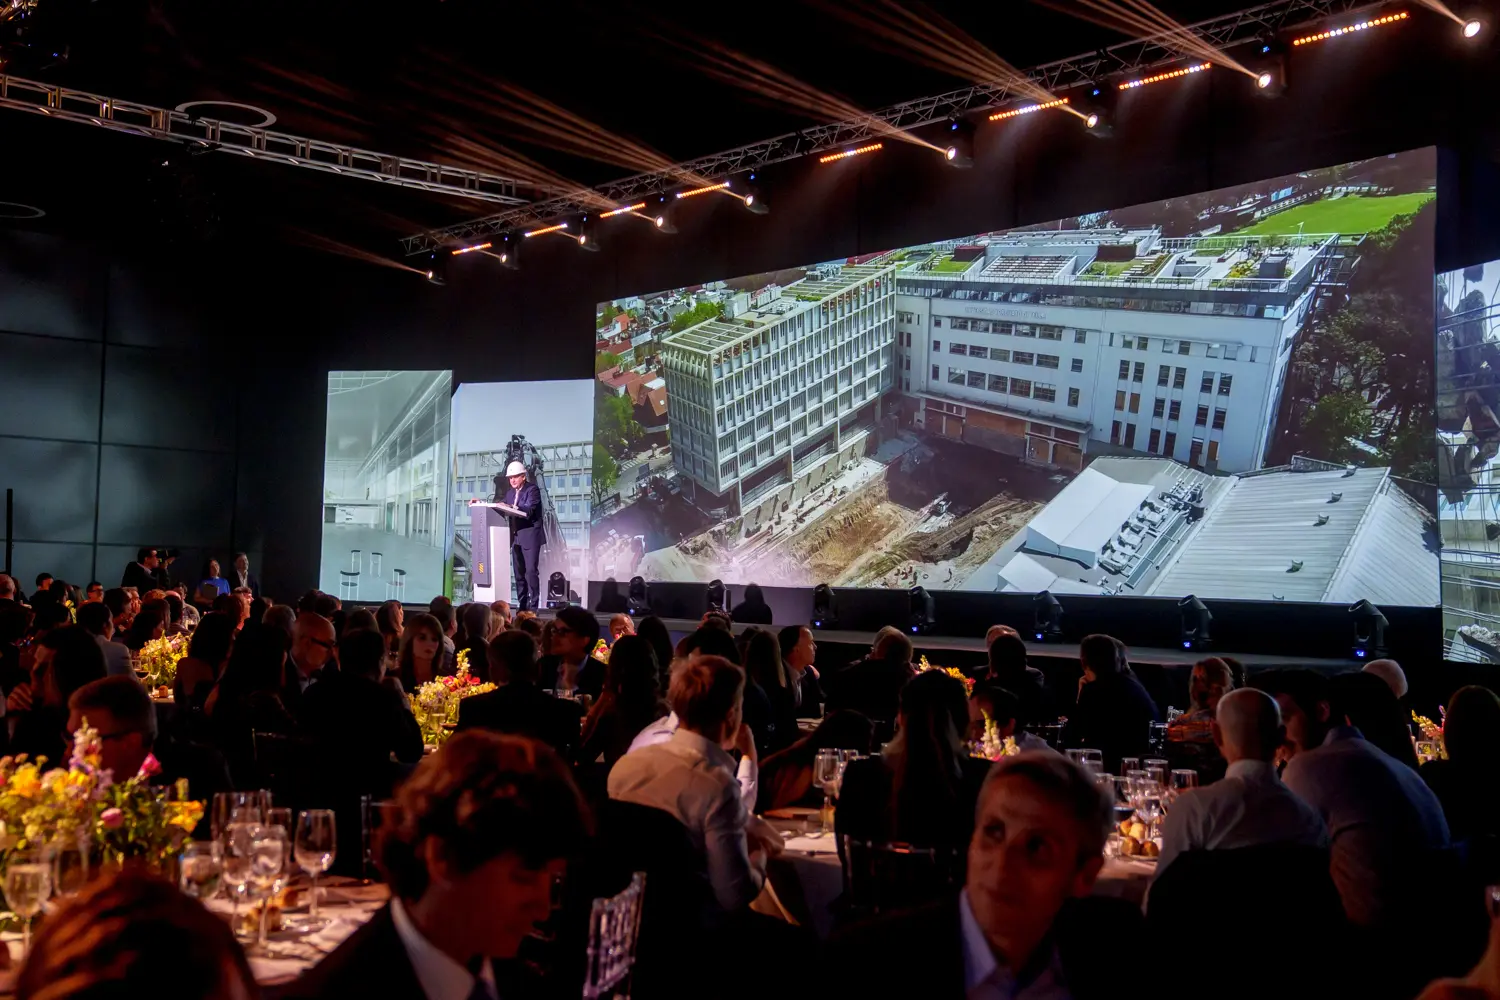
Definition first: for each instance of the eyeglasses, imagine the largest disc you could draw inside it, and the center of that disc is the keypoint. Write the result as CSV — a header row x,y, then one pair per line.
x,y
559,629
327,644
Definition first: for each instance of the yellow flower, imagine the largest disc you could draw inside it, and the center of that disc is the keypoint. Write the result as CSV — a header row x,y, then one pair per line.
x,y
184,815
25,782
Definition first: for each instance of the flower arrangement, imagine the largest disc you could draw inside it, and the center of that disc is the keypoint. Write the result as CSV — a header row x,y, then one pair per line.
x,y
1430,730
993,746
82,803
601,651
435,703
159,659
462,659
954,672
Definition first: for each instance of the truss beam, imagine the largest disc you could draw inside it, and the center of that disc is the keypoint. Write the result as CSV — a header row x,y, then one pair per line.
x,y
1130,57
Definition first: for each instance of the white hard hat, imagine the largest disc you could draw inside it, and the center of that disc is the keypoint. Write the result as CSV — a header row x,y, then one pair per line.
x,y
515,469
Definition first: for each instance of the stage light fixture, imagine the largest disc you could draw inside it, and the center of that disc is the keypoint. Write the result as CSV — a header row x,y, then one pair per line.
x,y
1369,630
638,597
853,151
959,152
922,619
588,235
1098,125
507,253
706,189
437,268
825,607
1473,27
1378,22
557,591
623,210
1047,613
718,596
559,228
1195,619
999,116
472,249
755,202
662,220
1159,77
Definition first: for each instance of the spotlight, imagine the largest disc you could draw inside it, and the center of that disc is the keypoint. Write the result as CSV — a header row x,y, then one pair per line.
x,y
557,591
1047,615
588,235
1195,619
718,596
922,618
960,150
1472,28
436,270
825,607
1369,630
638,597
1264,80
1098,125
507,253
755,203
662,220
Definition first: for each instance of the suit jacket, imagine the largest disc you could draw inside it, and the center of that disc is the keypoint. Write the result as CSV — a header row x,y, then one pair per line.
x,y
525,530
879,959
233,579
139,577
524,709
372,962
589,680
751,614
870,686
1113,716
360,724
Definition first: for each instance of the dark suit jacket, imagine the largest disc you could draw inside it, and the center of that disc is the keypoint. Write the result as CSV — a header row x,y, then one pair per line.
x,y
864,811
751,614
233,579
359,724
524,709
919,952
139,577
590,679
871,687
524,530
1114,716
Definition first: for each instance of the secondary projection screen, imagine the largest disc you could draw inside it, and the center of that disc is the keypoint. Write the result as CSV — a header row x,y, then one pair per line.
x,y
1227,394
385,485
1468,437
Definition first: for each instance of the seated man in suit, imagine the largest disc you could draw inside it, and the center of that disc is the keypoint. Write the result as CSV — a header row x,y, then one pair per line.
x,y
484,828
357,722
1023,927
518,705
872,686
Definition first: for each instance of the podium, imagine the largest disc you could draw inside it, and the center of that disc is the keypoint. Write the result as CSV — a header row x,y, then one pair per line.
x,y
489,545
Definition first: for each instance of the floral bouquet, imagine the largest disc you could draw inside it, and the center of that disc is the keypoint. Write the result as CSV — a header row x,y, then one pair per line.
x,y
159,659
601,651
1432,733
435,703
954,672
462,659
993,746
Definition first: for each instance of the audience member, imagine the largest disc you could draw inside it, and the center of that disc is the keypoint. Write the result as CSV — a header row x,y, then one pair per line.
x,y
993,703
1250,806
566,666
476,629
753,609
281,616
325,604
208,653
654,631
620,625
501,611
420,658
872,686
149,623
249,696
442,609
692,777
43,584
996,631
211,577
764,669
241,577
1008,669
630,701
1464,782
1365,701
1024,925
121,608
133,934
234,605
358,620
1114,712
1389,671
482,834
357,724
93,593
1382,819
1209,681
314,643
390,619
786,777
922,789
518,705
8,590
96,620
64,660
141,574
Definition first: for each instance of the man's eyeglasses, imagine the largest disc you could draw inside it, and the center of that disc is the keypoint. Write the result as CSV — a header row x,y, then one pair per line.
x,y
327,644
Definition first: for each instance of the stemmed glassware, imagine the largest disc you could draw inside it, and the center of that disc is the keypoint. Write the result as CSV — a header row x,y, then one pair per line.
x,y
28,883
200,868
234,807
314,847
828,771
70,866
268,850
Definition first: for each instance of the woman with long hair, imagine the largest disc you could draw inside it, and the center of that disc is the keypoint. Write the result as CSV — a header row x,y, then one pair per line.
x,y
1465,782
207,655
761,658
390,619
655,632
629,702
149,623
247,699
421,658
477,629
923,788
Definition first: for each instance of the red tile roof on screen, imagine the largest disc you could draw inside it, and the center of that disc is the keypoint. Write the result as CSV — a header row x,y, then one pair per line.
x,y
657,400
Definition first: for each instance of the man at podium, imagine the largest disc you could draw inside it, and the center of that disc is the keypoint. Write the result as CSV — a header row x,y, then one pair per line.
x,y
526,534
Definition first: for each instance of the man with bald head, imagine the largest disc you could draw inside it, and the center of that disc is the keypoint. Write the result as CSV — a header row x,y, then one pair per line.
x,y
1250,807
313,646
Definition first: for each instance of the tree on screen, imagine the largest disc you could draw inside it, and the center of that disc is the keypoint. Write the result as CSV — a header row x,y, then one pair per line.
x,y
605,361
700,312
615,428
1333,424
606,474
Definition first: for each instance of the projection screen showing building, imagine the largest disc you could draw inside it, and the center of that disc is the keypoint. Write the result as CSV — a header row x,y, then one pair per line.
x,y
1227,394
385,485
1468,437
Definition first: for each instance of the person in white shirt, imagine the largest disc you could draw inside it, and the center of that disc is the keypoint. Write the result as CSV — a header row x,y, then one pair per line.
x,y
480,835
692,777
1381,816
1250,806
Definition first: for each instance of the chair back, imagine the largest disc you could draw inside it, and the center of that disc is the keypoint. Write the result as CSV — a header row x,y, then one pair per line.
x,y
879,877
614,924
373,815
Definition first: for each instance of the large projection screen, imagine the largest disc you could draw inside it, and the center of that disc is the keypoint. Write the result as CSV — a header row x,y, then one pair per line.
x,y
1227,394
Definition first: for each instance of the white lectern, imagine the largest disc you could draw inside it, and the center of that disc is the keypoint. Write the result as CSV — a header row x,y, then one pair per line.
x,y
489,545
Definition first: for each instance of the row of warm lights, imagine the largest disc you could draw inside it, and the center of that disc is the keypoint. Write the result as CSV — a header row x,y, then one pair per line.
x,y
1013,112
1159,77
1363,25
857,151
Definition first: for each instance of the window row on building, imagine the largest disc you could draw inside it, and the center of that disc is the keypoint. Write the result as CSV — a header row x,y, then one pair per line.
x,y
1169,409
1159,442
1003,385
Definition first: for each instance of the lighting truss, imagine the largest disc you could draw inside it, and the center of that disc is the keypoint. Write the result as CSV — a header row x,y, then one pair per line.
x,y
211,134
1129,58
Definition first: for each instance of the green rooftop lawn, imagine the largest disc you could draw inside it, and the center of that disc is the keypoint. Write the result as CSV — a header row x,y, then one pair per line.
x,y
1338,215
951,265
1108,268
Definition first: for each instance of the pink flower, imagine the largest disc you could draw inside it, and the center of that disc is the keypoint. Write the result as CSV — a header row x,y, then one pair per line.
x,y
112,818
150,767
474,680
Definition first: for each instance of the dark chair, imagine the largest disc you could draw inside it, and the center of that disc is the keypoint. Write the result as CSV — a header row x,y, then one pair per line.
x,y
280,763
879,878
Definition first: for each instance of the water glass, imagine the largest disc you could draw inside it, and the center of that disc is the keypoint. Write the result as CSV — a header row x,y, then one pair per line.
x,y
1156,736
268,849
70,866
237,854
1093,760
200,869
1128,764
234,807
28,883
314,847
827,769
1184,778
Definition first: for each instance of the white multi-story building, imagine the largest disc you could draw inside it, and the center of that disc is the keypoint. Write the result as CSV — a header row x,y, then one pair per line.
x,y
1054,345
767,401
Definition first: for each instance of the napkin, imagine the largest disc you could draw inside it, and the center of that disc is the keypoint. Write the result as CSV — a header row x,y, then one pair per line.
x,y
812,845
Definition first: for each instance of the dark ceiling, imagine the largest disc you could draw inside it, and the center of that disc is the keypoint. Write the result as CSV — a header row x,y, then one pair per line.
x,y
408,78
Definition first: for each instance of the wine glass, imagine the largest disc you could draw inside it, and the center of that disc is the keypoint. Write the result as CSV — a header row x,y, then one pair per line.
x,y
827,769
268,851
200,869
1093,761
1150,809
314,847
70,866
1184,778
28,883
234,807
1128,764
237,861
